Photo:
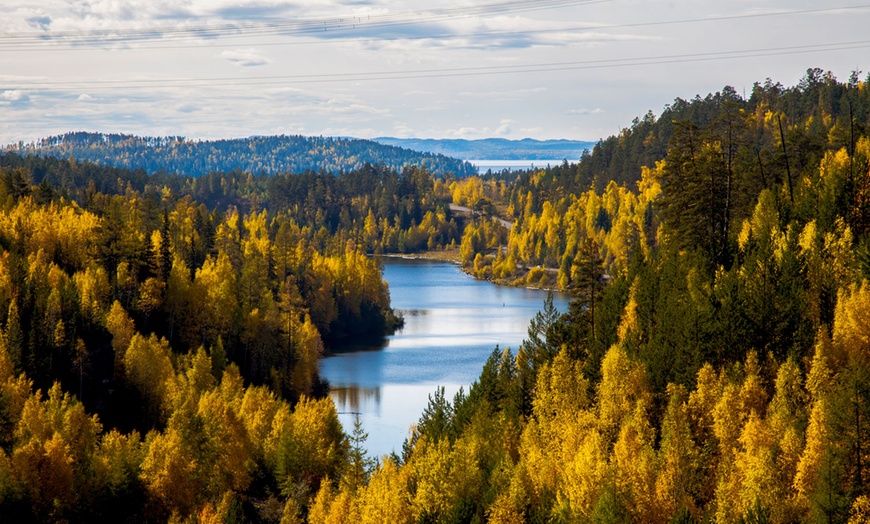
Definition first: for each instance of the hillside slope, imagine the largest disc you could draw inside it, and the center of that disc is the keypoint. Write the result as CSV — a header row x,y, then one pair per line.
x,y
267,154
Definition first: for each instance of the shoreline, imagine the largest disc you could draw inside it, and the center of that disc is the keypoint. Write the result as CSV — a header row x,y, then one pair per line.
x,y
442,255
451,256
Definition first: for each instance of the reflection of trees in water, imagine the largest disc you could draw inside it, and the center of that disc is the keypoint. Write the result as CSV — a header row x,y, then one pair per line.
x,y
350,398
415,312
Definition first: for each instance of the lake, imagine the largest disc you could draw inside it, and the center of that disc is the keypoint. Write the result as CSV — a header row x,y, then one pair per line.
x,y
513,165
452,324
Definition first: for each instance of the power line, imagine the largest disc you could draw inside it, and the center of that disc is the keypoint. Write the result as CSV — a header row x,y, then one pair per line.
x,y
158,83
342,25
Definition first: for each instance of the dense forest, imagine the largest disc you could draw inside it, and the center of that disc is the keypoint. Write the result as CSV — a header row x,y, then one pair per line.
x,y
698,169
128,312
713,367
380,209
267,154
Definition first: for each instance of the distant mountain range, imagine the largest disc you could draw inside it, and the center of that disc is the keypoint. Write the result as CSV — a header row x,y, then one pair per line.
x,y
262,154
494,148
292,154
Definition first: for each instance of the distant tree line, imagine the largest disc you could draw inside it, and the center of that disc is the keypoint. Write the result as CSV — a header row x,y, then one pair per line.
x,y
264,154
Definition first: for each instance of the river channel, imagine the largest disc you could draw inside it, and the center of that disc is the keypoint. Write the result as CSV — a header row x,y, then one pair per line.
x,y
452,324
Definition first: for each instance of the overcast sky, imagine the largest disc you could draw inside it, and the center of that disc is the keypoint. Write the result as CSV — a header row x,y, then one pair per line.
x,y
368,68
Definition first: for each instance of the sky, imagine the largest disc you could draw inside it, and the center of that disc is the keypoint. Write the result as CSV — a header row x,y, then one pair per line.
x,y
543,69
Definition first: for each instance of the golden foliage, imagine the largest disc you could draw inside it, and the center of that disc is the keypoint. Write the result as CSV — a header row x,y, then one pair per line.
x,y
385,498
148,367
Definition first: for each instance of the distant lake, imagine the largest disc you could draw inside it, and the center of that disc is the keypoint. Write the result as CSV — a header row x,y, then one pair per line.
x,y
452,324
500,165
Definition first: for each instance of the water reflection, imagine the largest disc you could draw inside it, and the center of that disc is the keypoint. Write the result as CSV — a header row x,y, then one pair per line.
x,y
352,400
387,413
452,325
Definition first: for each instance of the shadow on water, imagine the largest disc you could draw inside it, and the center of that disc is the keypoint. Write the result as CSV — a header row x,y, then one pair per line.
x,y
357,346
370,343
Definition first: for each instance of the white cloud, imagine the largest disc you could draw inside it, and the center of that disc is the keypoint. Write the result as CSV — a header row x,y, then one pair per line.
x,y
403,130
531,131
584,111
246,58
84,97
517,32
503,129
335,105
510,94
13,95
349,131
465,132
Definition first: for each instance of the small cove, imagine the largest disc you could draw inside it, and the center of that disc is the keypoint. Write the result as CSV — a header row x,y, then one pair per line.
x,y
452,324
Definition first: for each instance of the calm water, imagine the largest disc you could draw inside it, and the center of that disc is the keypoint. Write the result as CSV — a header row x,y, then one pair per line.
x,y
452,324
513,165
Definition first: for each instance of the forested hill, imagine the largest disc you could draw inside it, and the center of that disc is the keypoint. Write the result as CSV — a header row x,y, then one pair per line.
x,y
266,154
818,102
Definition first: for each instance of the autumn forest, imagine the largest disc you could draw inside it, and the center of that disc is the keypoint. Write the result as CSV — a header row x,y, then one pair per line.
x,y
160,332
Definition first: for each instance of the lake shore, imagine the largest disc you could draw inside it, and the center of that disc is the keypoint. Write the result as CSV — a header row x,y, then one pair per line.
x,y
448,254
451,255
